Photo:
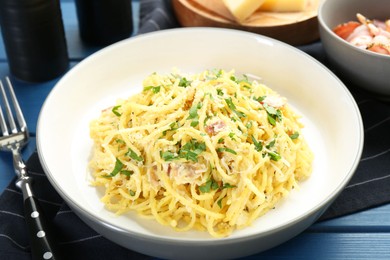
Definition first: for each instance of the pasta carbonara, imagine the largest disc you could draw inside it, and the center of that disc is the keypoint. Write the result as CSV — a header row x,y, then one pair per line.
x,y
210,151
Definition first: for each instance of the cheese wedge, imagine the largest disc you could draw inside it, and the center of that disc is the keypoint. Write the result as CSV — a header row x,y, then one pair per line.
x,y
242,9
284,5
216,6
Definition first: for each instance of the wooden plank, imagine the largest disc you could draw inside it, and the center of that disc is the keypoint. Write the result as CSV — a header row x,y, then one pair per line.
x,y
332,246
372,220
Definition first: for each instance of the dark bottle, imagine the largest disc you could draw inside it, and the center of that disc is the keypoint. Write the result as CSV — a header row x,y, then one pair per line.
x,y
103,22
34,39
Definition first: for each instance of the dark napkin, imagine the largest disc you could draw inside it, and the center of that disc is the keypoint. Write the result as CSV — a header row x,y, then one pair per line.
x,y
368,188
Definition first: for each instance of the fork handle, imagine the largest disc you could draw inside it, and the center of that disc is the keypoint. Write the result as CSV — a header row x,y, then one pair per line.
x,y
41,239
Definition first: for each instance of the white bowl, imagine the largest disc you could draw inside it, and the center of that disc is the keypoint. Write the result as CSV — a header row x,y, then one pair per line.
x,y
333,129
366,69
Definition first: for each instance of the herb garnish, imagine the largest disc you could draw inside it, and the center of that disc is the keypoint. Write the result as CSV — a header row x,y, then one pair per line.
x,y
120,141
225,149
295,135
173,126
127,172
273,114
227,186
189,151
274,156
258,145
259,99
211,185
194,114
231,135
115,110
133,155
219,92
168,156
118,168
271,144
219,203
231,105
155,89
184,82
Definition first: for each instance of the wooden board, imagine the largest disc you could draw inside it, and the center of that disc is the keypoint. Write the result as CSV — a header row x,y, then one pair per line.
x,y
295,28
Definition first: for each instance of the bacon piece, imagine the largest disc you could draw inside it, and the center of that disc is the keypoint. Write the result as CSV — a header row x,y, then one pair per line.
x,y
153,178
186,173
215,127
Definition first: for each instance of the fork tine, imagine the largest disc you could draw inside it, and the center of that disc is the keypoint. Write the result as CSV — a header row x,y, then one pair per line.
x,y
18,111
3,125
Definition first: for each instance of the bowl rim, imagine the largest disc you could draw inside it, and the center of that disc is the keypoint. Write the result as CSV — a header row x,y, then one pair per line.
x,y
203,241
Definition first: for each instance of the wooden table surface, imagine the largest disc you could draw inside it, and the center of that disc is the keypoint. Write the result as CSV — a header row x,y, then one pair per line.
x,y
363,235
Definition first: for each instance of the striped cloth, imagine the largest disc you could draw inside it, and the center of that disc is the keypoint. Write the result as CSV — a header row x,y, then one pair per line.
x,y
78,241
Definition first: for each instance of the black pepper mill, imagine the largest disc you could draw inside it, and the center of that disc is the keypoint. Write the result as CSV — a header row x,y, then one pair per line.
x,y
103,22
34,39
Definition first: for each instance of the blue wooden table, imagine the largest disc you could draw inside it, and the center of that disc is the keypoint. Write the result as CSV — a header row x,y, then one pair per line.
x,y
364,235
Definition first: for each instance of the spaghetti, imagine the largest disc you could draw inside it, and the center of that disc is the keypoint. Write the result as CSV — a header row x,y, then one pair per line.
x,y
208,151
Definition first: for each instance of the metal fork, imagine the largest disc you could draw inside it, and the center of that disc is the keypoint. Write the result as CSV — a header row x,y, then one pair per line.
x,y
14,138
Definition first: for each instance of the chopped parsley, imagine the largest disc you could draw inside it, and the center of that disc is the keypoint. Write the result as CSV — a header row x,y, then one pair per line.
x,y
231,105
231,135
194,114
173,126
274,156
127,172
219,203
219,92
184,82
225,149
118,168
115,110
189,151
258,145
271,144
120,141
133,155
227,186
154,89
259,99
273,114
295,135
168,156
209,186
